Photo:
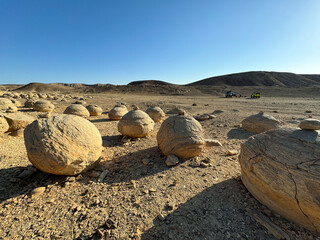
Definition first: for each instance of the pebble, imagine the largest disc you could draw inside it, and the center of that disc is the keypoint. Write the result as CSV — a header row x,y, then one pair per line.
x,y
161,217
103,175
213,142
152,190
145,161
232,152
172,160
94,174
37,191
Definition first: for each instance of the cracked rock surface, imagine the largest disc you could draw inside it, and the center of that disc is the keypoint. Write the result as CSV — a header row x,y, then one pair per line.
x,y
281,168
259,123
63,144
181,136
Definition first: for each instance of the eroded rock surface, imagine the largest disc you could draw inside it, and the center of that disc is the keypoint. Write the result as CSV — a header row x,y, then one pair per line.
x,y
77,109
260,122
310,124
281,168
181,136
156,113
18,120
136,124
63,144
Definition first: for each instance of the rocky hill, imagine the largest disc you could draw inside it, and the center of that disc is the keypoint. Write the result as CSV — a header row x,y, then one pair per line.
x,y
261,78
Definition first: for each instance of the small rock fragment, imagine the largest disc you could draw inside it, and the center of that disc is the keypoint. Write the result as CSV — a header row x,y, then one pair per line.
x,y
103,175
37,191
145,161
172,160
212,142
232,152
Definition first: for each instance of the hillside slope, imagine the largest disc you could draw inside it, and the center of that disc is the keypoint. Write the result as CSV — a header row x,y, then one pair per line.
x,y
261,78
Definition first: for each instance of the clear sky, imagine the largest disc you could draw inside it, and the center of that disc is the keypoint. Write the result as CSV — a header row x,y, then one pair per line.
x,y
178,41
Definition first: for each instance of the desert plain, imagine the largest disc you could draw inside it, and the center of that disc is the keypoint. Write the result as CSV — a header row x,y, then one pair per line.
x,y
140,197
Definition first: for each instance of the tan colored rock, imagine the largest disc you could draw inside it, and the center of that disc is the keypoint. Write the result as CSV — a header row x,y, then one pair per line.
x,y
178,111
63,144
117,112
77,109
260,122
172,160
202,117
281,168
156,114
18,120
4,126
135,124
232,152
17,133
213,142
181,136
310,124
43,106
94,110
37,191
6,105
29,103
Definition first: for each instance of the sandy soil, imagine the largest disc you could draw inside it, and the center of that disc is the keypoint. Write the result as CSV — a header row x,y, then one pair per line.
x,y
200,198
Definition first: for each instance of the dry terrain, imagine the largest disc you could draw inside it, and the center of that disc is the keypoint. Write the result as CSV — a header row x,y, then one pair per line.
x,y
141,197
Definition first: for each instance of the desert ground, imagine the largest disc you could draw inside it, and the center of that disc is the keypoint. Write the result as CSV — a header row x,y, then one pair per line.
x,y
141,197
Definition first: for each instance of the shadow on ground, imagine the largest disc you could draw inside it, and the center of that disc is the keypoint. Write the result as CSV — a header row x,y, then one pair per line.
x,y
13,184
100,120
238,133
130,166
218,212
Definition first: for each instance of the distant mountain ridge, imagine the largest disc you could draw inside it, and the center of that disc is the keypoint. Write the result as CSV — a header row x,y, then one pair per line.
x,y
261,78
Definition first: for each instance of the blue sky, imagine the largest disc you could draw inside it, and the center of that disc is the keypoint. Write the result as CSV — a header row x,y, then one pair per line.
x,y
177,41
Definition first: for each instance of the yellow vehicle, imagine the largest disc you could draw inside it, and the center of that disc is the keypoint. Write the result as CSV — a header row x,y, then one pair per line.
x,y
255,95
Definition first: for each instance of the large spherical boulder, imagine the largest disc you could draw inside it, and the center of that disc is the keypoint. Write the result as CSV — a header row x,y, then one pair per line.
x,y
181,136
94,110
63,144
259,123
156,114
43,106
6,105
281,168
77,109
117,112
4,126
135,124
18,120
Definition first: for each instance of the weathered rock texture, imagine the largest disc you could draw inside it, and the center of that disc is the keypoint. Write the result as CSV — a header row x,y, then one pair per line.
x,y
156,114
77,109
63,144
6,105
117,112
43,106
135,124
310,124
94,110
181,136
18,120
281,168
4,126
29,103
259,123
